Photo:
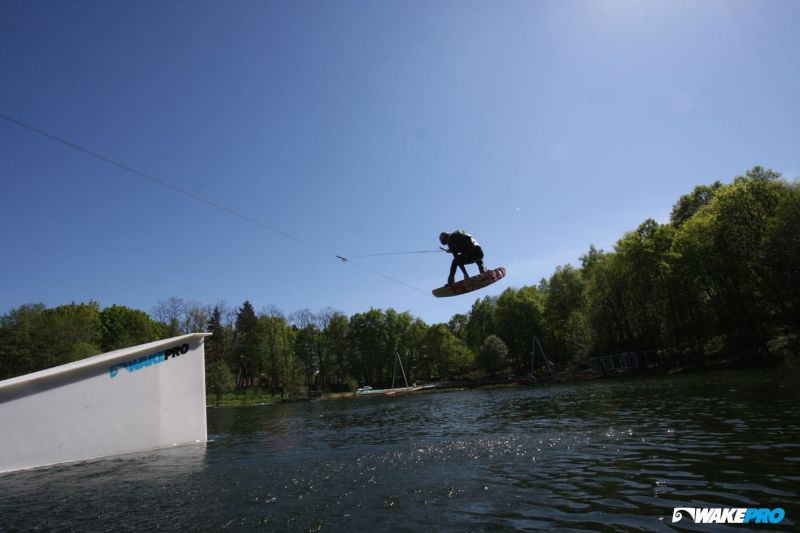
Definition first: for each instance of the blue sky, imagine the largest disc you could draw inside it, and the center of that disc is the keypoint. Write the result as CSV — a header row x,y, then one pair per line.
x,y
367,127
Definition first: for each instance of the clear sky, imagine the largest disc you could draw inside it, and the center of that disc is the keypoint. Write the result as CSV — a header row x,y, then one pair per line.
x,y
367,127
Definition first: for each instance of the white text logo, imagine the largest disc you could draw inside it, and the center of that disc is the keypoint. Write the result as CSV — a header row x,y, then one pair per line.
x,y
729,515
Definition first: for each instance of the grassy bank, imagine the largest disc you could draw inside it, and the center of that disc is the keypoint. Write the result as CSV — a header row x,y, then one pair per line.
x,y
241,398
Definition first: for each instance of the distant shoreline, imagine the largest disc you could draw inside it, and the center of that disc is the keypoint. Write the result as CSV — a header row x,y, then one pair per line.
x,y
250,399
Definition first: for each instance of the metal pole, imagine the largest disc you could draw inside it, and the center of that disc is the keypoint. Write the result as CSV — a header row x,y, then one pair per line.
x,y
546,360
401,368
394,368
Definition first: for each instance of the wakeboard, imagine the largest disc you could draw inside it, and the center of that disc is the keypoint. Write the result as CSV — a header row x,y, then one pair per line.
x,y
470,284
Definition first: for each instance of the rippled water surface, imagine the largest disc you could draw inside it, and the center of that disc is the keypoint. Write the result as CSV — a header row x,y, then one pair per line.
x,y
611,455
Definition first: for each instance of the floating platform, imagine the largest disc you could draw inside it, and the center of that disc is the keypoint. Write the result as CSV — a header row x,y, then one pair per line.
x,y
369,391
131,400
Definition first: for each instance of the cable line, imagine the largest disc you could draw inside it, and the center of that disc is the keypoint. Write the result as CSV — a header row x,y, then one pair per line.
x,y
206,201
346,259
160,182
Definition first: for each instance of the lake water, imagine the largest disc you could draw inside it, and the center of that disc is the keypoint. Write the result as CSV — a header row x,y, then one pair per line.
x,y
613,455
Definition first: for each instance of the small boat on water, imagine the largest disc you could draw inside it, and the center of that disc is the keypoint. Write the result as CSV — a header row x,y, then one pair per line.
x,y
369,391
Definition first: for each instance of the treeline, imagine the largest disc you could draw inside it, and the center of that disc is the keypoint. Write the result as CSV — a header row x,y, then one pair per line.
x,y
33,337
285,355
328,350
720,279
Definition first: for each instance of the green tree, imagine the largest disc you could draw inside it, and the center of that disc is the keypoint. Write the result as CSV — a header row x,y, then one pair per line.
x,y
738,221
493,355
276,334
450,355
607,312
18,328
337,349
248,347
403,339
65,334
641,257
519,319
219,379
121,327
565,315
368,339
458,325
72,331
307,344
418,361
694,289
216,344
481,322
781,260
195,318
689,204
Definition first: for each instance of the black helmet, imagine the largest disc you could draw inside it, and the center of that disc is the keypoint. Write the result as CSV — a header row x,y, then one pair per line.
x,y
443,236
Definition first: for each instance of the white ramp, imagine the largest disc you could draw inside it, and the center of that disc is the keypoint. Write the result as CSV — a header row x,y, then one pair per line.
x,y
135,399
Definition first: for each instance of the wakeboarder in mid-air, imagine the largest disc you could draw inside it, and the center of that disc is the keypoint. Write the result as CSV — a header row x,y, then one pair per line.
x,y
466,251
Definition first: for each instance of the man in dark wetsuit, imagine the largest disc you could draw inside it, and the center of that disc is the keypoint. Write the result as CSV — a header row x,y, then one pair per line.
x,y
465,250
